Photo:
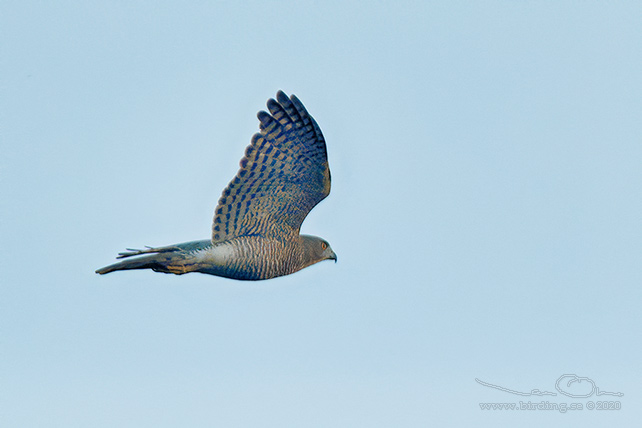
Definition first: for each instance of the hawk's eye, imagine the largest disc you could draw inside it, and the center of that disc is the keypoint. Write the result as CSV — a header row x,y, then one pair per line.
x,y
324,245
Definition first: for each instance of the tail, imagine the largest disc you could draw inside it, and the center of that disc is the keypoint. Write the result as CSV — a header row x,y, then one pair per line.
x,y
154,262
175,259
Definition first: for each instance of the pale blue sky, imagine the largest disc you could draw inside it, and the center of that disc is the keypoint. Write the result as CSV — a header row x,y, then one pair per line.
x,y
486,205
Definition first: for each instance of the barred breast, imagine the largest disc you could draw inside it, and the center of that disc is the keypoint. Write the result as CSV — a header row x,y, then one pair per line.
x,y
251,258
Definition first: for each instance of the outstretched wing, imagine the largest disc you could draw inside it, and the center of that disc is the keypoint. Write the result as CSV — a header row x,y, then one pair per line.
x,y
283,175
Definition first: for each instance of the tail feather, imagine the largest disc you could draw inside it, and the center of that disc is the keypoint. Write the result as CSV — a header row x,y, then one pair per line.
x,y
148,250
154,262
177,259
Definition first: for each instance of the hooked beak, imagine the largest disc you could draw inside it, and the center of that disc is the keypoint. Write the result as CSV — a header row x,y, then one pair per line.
x,y
333,256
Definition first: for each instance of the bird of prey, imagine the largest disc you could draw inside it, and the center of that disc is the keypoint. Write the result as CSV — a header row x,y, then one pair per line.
x,y
255,234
